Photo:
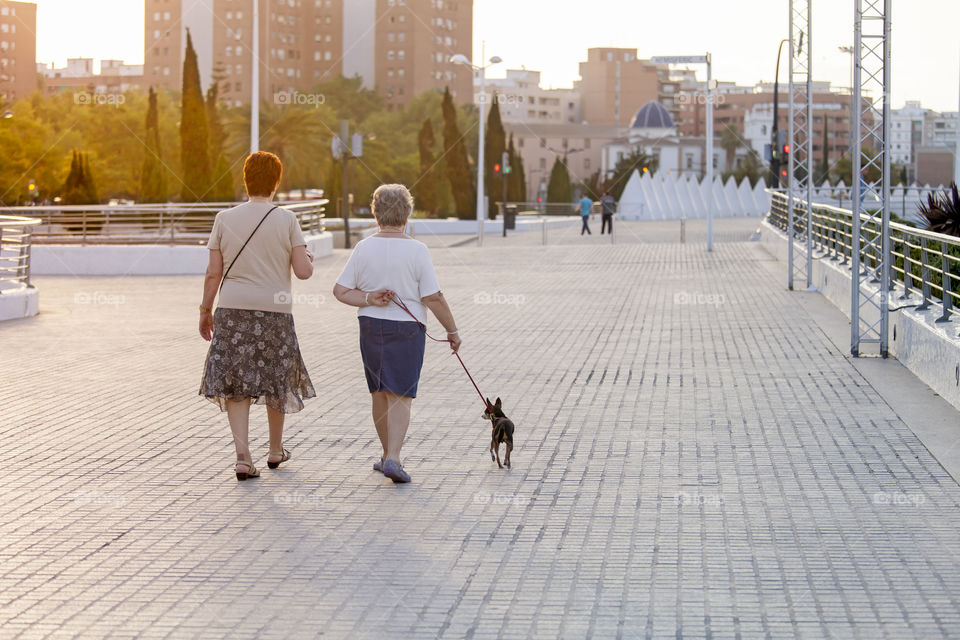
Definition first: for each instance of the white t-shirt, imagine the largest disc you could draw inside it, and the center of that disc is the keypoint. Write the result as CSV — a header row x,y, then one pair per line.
x,y
401,265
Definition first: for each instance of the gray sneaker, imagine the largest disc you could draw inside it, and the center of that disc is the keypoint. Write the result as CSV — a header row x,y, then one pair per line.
x,y
395,471
378,465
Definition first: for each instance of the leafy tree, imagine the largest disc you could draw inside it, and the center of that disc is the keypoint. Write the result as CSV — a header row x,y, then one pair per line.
x,y
517,182
194,149
730,141
457,163
495,144
79,187
750,168
559,188
222,190
425,189
636,161
347,98
153,175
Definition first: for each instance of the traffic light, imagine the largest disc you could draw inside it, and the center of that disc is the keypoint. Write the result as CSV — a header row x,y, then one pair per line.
x,y
496,168
506,163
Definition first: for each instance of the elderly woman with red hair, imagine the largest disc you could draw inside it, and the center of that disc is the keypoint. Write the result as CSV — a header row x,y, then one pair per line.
x,y
254,355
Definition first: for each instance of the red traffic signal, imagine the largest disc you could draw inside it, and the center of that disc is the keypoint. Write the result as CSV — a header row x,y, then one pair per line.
x,y
786,149
496,168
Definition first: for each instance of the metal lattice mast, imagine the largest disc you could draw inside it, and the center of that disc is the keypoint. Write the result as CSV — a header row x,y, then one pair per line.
x,y
869,305
800,158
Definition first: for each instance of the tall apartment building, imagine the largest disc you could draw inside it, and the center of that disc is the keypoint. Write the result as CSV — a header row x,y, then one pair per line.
x,y
522,100
614,85
401,48
18,49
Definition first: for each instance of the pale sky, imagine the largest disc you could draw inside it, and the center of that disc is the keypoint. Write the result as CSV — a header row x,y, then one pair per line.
x,y
552,36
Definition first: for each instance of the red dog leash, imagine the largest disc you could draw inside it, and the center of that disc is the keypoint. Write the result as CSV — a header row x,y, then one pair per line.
x,y
403,306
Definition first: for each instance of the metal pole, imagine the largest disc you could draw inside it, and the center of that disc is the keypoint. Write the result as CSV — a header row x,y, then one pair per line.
x,y
855,187
885,220
481,214
809,144
255,81
791,174
345,190
708,174
956,157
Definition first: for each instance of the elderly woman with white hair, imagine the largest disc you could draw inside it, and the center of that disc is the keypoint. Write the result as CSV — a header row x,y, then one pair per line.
x,y
387,272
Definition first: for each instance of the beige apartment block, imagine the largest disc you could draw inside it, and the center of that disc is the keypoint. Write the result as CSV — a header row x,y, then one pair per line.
x,y
400,48
615,84
18,49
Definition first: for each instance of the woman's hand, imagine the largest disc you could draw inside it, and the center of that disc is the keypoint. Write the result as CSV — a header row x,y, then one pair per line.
x,y
206,325
455,341
380,298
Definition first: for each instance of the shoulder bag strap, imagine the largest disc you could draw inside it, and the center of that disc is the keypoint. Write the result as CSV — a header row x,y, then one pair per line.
x,y
224,279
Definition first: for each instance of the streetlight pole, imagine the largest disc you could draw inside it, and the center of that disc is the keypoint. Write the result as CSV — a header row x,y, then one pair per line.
x,y
708,174
462,59
255,81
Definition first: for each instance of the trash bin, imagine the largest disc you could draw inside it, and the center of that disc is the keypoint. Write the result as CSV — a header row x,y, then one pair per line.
x,y
510,217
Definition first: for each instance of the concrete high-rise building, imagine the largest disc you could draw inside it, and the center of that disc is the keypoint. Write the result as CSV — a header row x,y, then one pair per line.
x,y
400,48
18,49
614,85
115,76
521,99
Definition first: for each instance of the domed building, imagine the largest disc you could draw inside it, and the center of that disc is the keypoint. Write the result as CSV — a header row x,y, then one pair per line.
x,y
653,117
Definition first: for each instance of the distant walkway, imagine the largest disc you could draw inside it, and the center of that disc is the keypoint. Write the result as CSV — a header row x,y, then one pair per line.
x,y
694,459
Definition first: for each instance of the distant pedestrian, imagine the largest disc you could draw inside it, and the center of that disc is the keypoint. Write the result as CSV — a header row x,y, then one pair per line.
x,y
608,206
585,205
385,271
254,355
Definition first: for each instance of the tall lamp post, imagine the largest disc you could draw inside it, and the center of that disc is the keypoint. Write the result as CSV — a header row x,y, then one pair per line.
x,y
462,59
255,81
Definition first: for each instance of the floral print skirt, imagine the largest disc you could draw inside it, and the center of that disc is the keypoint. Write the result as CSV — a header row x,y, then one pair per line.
x,y
255,354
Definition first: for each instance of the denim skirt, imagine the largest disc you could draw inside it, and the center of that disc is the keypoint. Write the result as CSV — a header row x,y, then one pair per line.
x,y
392,355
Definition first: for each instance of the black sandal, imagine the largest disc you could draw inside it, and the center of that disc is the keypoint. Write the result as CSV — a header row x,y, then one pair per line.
x,y
250,473
285,455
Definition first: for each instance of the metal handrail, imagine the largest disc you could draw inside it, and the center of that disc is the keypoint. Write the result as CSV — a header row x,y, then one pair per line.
x,y
922,262
172,223
547,208
15,235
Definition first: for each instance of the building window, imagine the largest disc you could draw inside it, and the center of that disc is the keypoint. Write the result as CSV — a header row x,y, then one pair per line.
x,y
543,163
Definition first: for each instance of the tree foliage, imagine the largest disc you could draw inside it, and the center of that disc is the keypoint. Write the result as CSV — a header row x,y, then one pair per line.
x,y
559,188
425,190
153,174
457,163
194,136
495,144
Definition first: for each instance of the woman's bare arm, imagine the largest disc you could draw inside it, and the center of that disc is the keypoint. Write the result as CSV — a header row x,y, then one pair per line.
x,y
211,281
439,307
302,262
358,298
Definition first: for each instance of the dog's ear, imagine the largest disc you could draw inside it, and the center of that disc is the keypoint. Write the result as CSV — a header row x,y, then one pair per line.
x,y
499,404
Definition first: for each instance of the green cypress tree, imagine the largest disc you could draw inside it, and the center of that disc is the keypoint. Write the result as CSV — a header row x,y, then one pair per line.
x,y
494,146
425,190
194,158
222,190
153,175
559,189
89,186
457,164
516,185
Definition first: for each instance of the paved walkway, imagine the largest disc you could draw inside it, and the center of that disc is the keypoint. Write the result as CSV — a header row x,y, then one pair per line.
x,y
694,459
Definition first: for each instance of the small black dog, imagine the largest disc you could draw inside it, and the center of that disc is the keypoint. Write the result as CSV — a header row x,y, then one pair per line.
x,y
502,431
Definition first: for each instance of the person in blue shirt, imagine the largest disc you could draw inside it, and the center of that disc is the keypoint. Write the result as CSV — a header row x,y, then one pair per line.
x,y
585,206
